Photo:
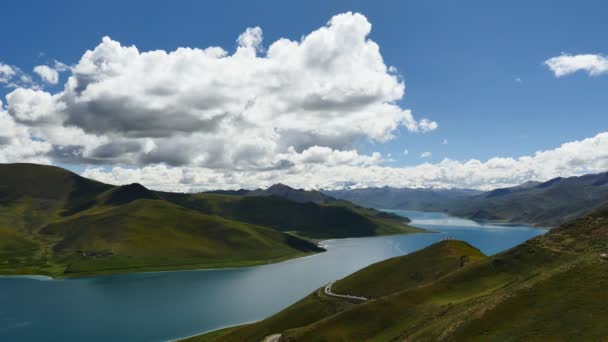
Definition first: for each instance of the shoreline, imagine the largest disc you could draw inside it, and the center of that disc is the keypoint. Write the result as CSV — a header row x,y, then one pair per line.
x,y
163,269
198,267
479,221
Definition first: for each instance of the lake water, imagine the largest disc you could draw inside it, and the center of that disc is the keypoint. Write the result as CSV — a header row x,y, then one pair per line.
x,y
167,305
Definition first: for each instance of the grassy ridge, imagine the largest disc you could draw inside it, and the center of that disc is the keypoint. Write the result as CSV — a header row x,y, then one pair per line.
x,y
411,270
552,287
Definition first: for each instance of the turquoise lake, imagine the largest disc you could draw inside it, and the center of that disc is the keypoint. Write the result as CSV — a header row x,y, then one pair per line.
x,y
162,306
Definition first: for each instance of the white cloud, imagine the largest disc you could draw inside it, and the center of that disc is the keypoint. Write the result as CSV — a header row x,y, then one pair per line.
x,y
251,38
6,72
425,154
60,67
252,110
568,64
13,77
406,152
47,74
570,159
16,144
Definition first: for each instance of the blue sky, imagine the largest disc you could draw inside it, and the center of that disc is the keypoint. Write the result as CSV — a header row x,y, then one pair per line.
x,y
475,67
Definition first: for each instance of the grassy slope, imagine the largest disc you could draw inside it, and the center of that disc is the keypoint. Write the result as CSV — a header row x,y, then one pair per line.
x,y
48,214
396,273
155,233
552,287
410,270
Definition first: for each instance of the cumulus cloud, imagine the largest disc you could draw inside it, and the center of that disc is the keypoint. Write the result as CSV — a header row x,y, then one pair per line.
x,y
566,64
570,159
254,109
47,74
425,154
16,143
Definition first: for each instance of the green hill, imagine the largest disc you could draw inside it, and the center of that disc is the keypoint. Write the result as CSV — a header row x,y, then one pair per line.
x,y
396,273
55,222
552,287
332,220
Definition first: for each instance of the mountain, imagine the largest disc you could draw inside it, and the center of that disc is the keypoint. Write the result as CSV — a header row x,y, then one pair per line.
x,y
55,222
546,204
552,287
404,198
336,219
296,195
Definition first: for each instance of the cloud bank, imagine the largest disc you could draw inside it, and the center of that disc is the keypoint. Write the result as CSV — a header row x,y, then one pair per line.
x,y
570,159
256,109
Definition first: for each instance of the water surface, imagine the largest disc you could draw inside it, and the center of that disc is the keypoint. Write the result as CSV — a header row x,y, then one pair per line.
x,y
167,305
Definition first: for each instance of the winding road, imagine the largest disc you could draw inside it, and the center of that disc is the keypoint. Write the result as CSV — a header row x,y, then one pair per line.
x,y
272,338
328,292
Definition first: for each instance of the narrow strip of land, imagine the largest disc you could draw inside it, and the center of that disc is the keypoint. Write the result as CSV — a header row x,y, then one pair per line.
x,y
331,294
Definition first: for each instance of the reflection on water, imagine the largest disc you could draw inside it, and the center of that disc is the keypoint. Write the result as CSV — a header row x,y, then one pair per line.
x,y
164,305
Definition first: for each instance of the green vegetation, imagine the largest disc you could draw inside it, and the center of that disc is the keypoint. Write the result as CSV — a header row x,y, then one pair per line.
x,y
552,287
54,222
410,270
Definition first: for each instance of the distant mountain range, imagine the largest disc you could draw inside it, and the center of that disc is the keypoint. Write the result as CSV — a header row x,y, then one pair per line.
x,y
421,199
545,204
552,287
55,222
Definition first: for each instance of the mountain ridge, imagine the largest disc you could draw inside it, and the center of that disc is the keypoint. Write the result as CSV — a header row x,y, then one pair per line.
x,y
541,204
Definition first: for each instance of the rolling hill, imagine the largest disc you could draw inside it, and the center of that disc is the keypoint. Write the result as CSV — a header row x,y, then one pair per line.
x,y
55,222
552,287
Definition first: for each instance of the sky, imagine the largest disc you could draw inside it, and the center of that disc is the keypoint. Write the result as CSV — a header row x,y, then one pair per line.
x,y
189,96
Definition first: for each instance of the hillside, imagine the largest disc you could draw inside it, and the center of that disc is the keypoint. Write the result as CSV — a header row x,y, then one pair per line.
x,y
396,273
552,287
55,222
336,219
